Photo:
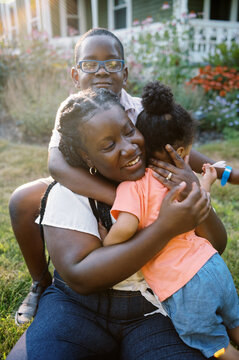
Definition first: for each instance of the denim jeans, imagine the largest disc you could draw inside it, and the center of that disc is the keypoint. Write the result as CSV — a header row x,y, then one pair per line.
x,y
106,325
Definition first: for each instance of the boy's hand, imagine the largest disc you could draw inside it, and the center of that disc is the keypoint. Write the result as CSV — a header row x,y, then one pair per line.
x,y
172,175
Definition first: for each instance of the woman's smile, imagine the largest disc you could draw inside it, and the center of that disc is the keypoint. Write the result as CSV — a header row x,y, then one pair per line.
x,y
114,146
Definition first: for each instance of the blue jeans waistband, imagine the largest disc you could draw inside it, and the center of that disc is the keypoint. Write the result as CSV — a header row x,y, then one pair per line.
x,y
116,304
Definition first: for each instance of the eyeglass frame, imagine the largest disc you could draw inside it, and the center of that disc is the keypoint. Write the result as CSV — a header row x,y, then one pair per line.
x,y
100,63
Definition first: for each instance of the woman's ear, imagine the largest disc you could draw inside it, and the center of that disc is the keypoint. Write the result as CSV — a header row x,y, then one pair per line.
x,y
86,158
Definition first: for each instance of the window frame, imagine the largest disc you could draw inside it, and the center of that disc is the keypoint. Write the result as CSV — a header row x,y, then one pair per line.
x,y
111,13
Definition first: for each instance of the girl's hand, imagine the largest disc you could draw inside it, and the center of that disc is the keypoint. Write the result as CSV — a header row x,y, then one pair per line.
x,y
172,175
185,215
209,176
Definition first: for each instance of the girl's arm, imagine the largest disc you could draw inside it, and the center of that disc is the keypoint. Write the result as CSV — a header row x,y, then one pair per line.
x,y
121,231
79,180
88,267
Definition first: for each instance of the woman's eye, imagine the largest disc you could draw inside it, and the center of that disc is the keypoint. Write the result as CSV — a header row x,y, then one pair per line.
x,y
130,132
108,147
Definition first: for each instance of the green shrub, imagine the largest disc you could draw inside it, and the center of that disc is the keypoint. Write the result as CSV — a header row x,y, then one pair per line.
x,y
220,113
36,80
161,54
225,56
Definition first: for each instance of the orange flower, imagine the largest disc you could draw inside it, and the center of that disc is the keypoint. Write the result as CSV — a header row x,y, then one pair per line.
x,y
222,93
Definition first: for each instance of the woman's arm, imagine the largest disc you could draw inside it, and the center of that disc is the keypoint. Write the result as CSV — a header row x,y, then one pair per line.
x,y
76,179
88,267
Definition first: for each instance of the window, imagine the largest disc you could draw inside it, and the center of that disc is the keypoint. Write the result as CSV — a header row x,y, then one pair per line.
x,y
220,10
9,20
119,14
72,18
33,15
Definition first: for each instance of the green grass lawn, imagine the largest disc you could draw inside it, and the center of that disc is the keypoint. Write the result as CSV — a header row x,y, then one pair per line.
x,y
21,163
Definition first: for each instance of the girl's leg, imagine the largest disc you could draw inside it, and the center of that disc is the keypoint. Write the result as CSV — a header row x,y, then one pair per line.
x,y
230,354
24,208
234,335
154,337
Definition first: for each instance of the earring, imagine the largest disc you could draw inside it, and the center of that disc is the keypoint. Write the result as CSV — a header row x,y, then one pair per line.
x,y
92,170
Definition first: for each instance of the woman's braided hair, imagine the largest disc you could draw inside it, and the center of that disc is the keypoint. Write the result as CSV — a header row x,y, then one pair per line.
x,y
163,121
75,111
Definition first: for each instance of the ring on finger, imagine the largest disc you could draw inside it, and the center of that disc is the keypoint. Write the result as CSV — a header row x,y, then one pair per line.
x,y
169,176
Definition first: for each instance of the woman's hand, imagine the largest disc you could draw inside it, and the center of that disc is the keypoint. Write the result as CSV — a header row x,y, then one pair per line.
x,y
172,175
185,215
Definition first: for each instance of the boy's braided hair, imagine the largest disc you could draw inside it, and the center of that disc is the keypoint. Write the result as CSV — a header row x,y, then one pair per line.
x,y
75,111
97,32
163,121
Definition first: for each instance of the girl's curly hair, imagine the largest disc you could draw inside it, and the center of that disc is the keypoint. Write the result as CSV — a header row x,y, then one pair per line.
x,y
76,110
163,121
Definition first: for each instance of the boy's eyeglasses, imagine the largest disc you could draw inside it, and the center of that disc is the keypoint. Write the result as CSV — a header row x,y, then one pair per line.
x,y
92,66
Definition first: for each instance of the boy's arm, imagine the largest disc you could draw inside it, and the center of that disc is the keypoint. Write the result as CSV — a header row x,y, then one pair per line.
x,y
124,228
79,180
196,161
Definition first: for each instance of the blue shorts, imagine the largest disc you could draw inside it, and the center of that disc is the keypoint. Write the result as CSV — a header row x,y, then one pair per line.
x,y
203,309
107,325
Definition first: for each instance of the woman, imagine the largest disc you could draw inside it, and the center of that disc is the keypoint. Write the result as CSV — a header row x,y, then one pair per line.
x,y
94,313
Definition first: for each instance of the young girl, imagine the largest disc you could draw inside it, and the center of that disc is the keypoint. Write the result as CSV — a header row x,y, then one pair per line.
x,y
188,275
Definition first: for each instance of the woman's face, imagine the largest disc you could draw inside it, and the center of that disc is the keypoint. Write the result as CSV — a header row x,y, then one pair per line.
x,y
113,145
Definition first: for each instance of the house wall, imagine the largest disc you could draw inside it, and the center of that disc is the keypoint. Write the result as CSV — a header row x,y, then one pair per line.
x,y
103,9
141,9
88,14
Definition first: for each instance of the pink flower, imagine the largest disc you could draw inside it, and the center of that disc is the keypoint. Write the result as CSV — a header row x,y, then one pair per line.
x,y
165,6
147,21
136,22
192,14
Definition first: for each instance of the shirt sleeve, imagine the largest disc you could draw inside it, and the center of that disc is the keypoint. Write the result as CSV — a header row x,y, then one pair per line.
x,y
127,200
68,210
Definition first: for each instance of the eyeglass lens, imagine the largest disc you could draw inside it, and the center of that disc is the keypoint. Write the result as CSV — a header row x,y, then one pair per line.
x,y
109,65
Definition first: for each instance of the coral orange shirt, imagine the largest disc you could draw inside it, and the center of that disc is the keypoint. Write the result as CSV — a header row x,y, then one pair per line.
x,y
182,257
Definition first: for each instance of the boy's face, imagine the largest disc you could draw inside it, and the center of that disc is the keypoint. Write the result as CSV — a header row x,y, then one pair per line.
x,y
100,47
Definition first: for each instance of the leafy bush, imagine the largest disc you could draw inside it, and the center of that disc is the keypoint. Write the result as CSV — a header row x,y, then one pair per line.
x,y
33,103
158,54
219,114
225,56
36,81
